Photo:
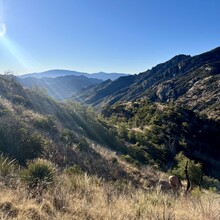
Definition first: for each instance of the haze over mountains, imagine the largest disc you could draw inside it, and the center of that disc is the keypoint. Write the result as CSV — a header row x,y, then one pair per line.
x,y
57,72
61,87
62,84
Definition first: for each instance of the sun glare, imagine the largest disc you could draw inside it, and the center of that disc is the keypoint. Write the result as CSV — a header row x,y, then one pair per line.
x,y
2,29
17,52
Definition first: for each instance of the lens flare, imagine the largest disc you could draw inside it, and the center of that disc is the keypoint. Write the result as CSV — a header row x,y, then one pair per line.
x,y
2,29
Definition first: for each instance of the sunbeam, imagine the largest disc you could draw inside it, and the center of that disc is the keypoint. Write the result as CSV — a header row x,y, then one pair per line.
x,y
17,52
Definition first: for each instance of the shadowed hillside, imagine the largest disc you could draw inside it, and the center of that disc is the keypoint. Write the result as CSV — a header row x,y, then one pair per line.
x,y
191,81
34,125
159,132
62,160
62,87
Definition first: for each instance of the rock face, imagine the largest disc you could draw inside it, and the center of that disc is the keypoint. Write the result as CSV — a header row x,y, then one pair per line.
x,y
192,81
199,89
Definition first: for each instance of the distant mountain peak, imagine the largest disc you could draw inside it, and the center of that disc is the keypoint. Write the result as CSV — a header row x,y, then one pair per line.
x,y
193,80
59,72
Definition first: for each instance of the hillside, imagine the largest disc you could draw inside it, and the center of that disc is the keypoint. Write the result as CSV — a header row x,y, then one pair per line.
x,y
159,132
58,73
62,87
34,125
60,160
175,80
70,132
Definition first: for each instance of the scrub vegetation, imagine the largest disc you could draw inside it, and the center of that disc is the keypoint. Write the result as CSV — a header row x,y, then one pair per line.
x,y
61,160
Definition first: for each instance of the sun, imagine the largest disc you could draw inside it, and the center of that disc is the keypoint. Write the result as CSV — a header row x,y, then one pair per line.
x,y
2,29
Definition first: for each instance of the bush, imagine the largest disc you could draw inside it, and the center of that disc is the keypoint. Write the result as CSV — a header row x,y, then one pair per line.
x,y
194,169
114,160
17,140
138,154
44,123
83,145
38,172
211,183
129,159
7,166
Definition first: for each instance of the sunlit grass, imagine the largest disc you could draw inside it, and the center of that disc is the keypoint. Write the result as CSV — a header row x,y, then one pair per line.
x,y
79,196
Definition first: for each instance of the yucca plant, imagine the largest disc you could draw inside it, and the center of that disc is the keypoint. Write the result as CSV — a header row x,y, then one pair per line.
x,y
38,173
7,166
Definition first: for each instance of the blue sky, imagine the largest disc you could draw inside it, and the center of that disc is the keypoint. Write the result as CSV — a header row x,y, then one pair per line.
x,y
127,36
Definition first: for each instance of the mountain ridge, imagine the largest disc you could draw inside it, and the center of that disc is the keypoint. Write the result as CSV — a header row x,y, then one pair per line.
x,y
61,87
59,72
166,82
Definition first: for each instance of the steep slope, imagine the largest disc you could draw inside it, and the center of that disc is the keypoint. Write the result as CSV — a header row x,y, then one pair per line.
x,y
60,87
58,73
33,125
199,89
108,89
160,131
173,80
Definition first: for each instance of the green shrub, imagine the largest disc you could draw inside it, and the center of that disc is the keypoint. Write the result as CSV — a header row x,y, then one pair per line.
x,y
18,141
114,160
211,183
132,136
38,172
83,145
46,123
7,166
129,159
138,153
122,131
194,169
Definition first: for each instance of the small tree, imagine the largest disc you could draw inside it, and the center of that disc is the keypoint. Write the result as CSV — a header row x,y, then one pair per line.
x,y
122,131
194,169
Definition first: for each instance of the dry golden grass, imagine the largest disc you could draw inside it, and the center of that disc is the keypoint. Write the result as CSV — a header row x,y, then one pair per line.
x,y
79,196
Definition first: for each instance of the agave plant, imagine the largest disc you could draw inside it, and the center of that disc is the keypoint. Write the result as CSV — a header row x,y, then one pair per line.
x,y
7,166
38,172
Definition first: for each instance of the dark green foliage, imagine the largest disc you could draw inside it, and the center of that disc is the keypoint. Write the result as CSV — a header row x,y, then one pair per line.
x,y
132,136
138,153
17,140
210,183
114,160
129,159
159,132
194,169
37,173
83,145
122,131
